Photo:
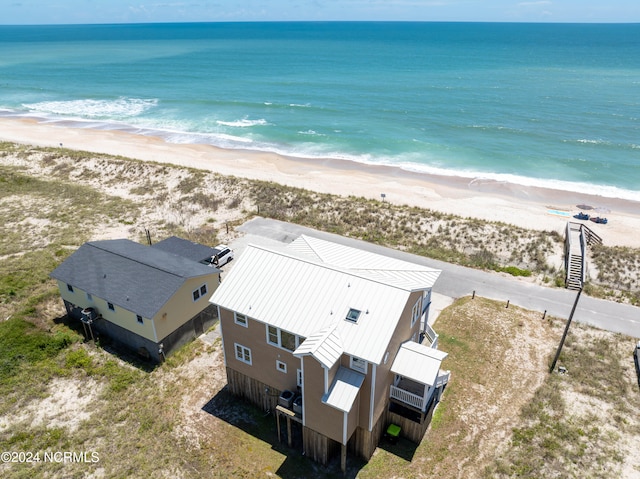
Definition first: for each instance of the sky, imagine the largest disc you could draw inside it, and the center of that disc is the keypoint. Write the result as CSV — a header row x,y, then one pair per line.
x,y
29,12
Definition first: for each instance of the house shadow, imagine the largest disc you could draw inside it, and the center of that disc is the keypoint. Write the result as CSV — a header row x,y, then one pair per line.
x,y
263,426
105,343
403,448
72,324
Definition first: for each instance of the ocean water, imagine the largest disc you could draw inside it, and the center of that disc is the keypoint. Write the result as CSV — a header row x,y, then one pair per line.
x,y
554,105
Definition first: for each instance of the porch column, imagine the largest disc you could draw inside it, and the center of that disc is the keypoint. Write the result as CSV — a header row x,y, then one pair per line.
x,y
424,397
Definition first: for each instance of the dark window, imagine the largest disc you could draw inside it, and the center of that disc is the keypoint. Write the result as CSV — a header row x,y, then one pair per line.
x,y
111,306
196,295
288,340
203,289
70,288
139,318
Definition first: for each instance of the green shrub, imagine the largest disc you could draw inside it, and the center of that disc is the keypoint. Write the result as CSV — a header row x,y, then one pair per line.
x,y
513,270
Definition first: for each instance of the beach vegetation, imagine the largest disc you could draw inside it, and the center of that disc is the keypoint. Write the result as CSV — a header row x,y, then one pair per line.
x,y
513,271
190,198
178,419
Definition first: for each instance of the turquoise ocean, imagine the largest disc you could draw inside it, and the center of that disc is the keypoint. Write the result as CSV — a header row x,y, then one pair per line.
x,y
552,105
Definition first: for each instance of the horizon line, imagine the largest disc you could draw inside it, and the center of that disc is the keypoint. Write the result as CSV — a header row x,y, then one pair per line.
x,y
516,22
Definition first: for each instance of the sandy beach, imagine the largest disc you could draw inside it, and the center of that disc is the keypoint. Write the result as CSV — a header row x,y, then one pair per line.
x,y
528,207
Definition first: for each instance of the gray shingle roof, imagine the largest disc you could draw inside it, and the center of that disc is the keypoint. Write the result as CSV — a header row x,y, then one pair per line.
x,y
130,275
188,249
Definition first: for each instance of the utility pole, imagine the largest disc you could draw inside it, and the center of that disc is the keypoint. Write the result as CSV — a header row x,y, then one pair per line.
x,y
566,331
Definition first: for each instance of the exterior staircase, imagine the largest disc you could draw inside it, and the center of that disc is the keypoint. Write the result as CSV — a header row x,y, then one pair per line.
x,y
578,237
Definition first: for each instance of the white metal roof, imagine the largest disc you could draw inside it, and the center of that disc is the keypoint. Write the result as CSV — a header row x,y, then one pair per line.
x,y
344,390
325,346
418,362
305,293
365,263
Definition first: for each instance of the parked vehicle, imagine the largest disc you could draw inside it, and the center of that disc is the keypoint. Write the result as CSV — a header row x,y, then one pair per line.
x,y
223,256
600,220
581,216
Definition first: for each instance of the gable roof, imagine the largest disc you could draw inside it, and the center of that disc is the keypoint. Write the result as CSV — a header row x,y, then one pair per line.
x,y
130,275
304,291
374,266
418,362
188,249
325,346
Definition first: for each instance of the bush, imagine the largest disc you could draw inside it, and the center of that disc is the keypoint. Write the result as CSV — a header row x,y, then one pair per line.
x,y
513,270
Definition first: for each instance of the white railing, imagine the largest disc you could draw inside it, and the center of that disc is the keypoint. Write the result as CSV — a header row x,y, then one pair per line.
x,y
407,397
443,378
431,335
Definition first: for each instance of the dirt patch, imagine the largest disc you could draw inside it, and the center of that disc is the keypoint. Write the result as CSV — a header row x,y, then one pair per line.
x,y
69,402
207,377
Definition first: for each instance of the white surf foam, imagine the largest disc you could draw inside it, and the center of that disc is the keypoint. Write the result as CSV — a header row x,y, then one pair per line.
x,y
119,108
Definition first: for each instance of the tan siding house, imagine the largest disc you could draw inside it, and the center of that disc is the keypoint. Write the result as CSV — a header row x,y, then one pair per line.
x,y
144,298
330,326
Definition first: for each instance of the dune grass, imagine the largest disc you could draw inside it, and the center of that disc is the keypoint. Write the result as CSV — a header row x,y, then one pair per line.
x,y
135,420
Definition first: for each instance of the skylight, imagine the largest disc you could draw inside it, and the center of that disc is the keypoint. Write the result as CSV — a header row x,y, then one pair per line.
x,y
353,315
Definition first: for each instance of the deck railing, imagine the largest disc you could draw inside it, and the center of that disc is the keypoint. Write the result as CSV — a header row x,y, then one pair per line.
x,y
443,378
407,397
431,336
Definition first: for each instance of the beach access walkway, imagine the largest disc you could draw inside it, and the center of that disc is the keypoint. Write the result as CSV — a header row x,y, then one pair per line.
x,y
577,238
458,281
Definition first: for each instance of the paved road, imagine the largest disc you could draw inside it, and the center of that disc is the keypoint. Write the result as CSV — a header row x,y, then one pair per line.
x,y
457,281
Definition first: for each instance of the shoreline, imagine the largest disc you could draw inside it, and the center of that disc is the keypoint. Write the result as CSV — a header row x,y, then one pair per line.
x,y
525,206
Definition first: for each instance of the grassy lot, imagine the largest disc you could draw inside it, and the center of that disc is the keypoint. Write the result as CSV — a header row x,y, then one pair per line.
x,y
499,416
502,415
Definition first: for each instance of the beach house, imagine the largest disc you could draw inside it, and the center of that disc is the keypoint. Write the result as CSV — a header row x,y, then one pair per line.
x,y
150,299
334,341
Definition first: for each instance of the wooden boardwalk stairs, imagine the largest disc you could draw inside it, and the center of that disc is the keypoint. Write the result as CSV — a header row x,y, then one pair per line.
x,y
578,237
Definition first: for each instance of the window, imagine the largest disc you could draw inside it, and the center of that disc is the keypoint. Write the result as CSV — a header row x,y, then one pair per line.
x,y
283,339
139,318
199,293
89,297
416,312
288,340
358,364
280,366
272,335
243,353
111,306
353,315
70,288
299,377
241,319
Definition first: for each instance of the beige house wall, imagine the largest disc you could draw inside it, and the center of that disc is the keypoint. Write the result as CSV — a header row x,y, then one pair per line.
x,y
181,307
263,354
177,311
122,317
324,419
403,332
364,397
353,417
